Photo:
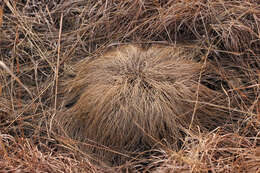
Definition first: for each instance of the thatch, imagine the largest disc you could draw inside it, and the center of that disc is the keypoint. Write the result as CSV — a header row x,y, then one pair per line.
x,y
40,41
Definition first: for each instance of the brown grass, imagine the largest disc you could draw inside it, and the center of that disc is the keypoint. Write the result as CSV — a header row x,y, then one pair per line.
x,y
41,41
131,98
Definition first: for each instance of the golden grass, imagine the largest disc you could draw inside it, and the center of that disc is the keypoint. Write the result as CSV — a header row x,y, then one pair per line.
x,y
41,41
132,99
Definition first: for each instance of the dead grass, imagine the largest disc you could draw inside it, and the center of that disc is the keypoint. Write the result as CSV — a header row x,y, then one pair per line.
x,y
132,99
40,41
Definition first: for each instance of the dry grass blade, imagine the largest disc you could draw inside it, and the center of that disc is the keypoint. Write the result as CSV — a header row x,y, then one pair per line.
x,y
1,14
15,78
57,71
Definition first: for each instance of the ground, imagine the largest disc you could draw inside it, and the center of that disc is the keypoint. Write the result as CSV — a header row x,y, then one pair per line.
x,y
40,41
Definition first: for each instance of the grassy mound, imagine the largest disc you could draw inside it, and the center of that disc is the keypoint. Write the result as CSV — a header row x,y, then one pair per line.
x,y
130,98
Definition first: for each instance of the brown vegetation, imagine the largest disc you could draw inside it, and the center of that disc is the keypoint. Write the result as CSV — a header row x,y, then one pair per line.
x,y
41,40
131,98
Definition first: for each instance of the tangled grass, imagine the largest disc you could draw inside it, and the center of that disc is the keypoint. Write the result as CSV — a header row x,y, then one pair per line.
x,y
40,41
